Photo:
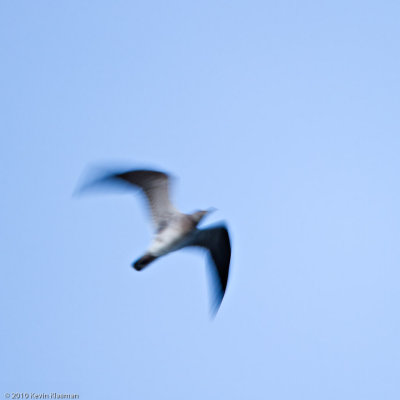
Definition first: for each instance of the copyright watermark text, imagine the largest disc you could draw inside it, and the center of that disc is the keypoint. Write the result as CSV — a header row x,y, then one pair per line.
x,y
33,395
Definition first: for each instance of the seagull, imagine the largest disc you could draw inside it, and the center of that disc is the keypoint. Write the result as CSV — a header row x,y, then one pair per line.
x,y
175,230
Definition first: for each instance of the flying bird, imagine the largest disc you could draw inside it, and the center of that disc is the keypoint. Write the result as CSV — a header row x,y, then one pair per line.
x,y
175,230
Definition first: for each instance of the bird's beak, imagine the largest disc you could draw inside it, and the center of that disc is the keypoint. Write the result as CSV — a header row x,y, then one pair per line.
x,y
211,210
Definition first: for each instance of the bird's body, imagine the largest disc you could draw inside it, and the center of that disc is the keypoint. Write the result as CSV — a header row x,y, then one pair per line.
x,y
172,236
175,230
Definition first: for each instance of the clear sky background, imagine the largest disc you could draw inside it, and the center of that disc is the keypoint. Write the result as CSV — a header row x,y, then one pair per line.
x,y
284,115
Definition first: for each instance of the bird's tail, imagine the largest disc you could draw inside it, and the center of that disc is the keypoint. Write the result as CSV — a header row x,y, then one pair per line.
x,y
143,262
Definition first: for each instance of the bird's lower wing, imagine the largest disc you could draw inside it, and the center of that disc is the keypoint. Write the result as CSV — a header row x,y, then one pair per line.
x,y
216,241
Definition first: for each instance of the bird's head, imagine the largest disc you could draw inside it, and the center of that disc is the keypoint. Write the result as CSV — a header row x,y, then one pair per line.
x,y
199,215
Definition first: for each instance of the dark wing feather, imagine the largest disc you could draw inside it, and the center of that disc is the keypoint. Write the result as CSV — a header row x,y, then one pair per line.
x,y
216,241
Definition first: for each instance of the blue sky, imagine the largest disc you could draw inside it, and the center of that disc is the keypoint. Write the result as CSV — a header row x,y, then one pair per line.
x,y
282,115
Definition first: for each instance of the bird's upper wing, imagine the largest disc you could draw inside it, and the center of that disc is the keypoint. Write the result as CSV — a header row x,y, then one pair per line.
x,y
155,185
216,241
